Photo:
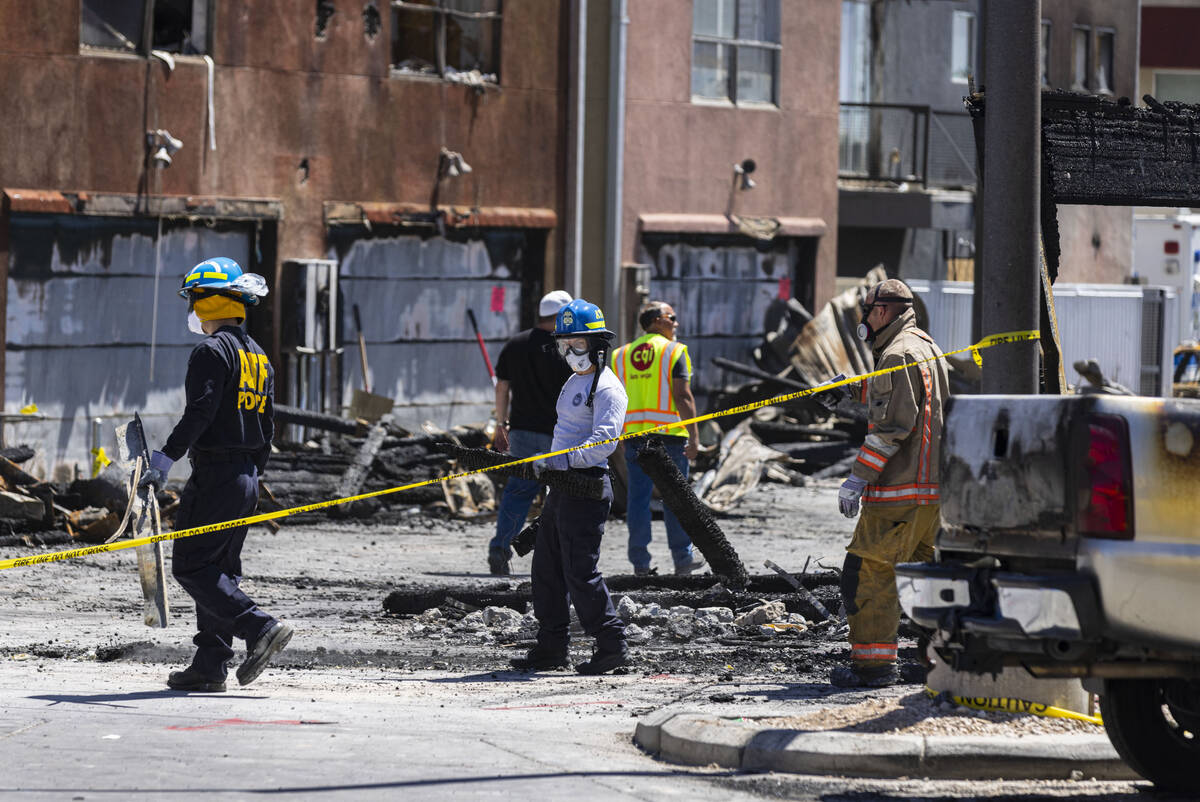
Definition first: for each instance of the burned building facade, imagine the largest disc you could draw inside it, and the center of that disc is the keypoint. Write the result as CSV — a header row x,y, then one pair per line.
x,y
907,168
715,188
415,147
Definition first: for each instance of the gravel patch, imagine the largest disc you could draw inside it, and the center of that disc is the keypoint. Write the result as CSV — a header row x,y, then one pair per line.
x,y
919,714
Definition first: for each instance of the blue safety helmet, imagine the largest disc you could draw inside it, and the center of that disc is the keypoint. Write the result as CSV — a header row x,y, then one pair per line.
x,y
223,276
581,319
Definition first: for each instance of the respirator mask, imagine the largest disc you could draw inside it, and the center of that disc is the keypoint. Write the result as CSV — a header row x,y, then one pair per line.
x,y
194,324
865,332
577,353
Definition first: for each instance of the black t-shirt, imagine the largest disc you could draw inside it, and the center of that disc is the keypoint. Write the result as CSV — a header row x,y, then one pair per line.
x,y
530,362
230,389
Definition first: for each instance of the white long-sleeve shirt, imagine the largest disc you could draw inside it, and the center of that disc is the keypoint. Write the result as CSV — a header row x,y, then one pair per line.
x,y
579,424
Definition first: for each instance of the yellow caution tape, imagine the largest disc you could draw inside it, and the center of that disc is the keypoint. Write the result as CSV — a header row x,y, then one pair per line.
x,y
1002,704
29,409
69,554
100,461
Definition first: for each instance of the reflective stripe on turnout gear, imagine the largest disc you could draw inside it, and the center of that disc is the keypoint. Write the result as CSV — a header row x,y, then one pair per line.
x,y
912,493
873,651
871,459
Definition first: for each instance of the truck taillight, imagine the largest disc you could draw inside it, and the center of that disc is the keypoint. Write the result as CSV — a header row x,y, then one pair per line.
x,y
1106,491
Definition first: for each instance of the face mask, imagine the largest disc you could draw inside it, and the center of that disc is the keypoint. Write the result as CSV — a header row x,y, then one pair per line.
x,y
195,326
864,331
578,362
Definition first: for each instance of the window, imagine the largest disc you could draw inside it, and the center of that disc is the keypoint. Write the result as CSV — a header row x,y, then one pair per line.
x,y
735,50
1105,39
458,40
174,26
1081,56
1045,52
854,77
1180,85
962,47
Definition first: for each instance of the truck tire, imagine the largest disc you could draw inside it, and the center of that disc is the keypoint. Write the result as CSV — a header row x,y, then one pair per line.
x,y
1156,746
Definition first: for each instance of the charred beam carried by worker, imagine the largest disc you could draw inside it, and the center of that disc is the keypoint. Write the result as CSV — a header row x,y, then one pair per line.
x,y
474,459
699,524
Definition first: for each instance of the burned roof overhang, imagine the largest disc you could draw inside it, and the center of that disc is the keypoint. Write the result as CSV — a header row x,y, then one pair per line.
x,y
673,223
41,201
1101,152
342,213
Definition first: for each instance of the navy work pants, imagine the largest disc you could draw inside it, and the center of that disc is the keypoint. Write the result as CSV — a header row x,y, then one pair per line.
x,y
566,568
209,566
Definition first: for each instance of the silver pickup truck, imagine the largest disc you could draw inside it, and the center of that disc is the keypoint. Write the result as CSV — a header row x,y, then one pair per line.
x,y
1071,547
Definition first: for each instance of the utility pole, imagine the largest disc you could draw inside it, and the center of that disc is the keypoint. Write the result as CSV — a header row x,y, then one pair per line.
x,y
1011,192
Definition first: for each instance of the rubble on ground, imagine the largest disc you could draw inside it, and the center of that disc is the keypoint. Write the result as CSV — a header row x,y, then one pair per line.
x,y
36,513
645,623
653,615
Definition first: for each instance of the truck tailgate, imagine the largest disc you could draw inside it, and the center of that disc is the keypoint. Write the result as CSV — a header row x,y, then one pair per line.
x,y
1005,462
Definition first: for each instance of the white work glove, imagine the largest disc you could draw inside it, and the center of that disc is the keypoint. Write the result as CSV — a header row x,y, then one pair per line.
x,y
849,494
156,473
554,462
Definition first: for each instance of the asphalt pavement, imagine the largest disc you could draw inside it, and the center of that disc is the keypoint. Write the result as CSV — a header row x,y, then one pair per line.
x,y
364,714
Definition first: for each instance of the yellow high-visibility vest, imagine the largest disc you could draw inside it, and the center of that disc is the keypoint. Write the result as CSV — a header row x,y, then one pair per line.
x,y
644,366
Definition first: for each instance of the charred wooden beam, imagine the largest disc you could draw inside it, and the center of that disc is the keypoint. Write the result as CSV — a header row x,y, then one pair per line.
x,y
695,518
318,420
474,459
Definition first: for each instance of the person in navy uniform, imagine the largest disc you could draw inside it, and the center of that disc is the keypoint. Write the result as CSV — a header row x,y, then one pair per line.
x,y
591,411
226,431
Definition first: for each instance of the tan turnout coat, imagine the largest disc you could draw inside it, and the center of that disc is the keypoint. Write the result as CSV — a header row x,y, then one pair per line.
x,y
900,456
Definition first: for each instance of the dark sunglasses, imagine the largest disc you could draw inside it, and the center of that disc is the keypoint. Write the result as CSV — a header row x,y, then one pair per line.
x,y
671,318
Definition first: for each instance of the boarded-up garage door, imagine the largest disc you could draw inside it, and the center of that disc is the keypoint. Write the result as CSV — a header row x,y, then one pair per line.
x,y
414,293
81,303
721,288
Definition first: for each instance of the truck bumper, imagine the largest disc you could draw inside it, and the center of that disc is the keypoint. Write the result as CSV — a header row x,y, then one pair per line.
x,y
958,599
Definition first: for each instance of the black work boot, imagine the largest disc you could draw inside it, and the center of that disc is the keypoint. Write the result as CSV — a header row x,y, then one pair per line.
x,y
540,658
498,563
190,679
269,644
605,660
877,676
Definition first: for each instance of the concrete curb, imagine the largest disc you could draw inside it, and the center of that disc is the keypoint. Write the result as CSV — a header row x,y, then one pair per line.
x,y
700,739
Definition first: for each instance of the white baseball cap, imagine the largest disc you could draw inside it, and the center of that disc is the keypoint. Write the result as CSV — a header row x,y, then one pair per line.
x,y
553,301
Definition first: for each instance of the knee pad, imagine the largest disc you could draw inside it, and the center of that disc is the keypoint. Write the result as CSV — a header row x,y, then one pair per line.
x,y
849,582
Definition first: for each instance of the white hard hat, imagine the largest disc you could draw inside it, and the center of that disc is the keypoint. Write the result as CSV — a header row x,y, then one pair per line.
x,y
553,301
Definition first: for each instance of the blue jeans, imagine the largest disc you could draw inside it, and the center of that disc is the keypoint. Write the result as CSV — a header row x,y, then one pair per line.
x,y
518,493
637,513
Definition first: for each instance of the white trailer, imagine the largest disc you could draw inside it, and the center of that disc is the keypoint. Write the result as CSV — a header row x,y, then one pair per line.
x,y
1166,252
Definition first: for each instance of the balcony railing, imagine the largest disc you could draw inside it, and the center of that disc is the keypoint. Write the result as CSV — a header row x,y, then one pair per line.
x,y
906,143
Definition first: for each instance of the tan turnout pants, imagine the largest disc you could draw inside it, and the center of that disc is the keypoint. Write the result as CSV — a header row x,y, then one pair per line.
x,y
884,536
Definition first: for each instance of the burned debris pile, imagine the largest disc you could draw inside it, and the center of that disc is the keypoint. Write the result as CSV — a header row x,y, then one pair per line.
x,y
34,512
38,513
814,435
667,617
386,456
